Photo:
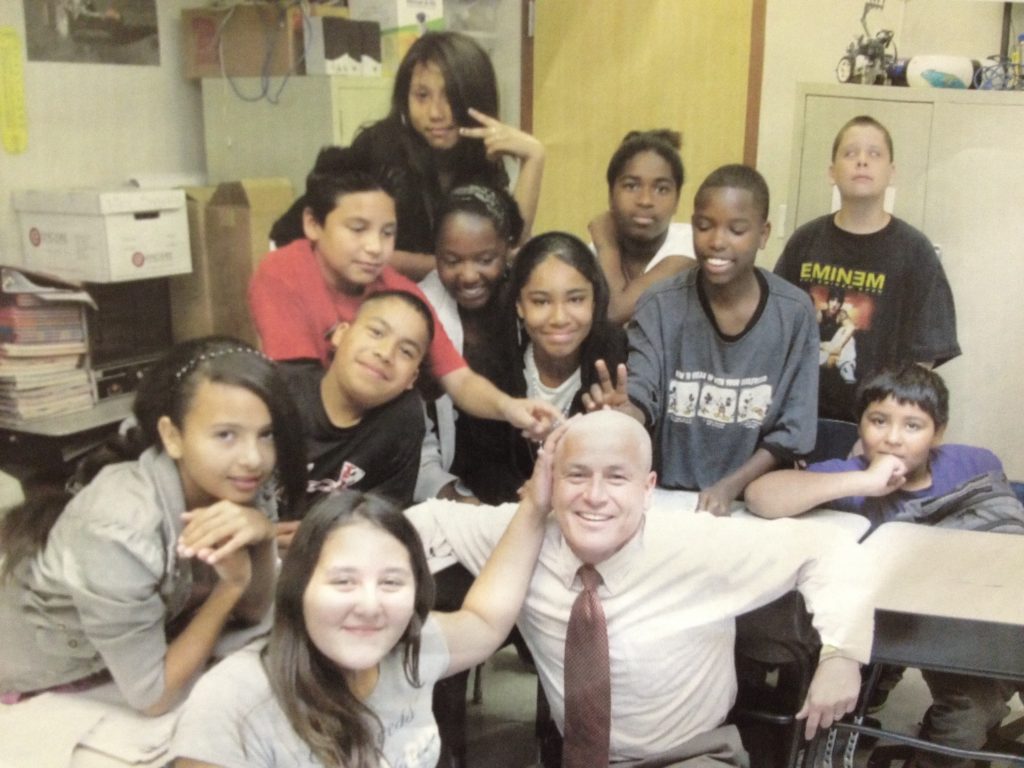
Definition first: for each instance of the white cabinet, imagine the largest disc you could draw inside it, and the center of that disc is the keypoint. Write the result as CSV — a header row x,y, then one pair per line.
x,y
959,178
248,137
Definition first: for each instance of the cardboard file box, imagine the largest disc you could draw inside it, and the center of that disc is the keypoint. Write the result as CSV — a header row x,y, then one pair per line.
x,y
248,39
193,306
237,231
104,236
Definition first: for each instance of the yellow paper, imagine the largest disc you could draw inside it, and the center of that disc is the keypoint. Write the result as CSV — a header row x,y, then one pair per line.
x,y
13,121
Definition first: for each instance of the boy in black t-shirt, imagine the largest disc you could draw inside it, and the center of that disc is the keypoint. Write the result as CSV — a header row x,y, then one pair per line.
x,y
897,305
362,419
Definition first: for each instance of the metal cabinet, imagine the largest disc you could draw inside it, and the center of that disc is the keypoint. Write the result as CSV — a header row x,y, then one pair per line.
x,y
281,133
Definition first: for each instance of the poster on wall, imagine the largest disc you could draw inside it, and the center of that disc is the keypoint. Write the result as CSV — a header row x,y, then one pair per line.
x,y
92,31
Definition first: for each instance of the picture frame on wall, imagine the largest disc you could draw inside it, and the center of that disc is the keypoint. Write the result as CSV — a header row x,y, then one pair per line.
x,y
92,31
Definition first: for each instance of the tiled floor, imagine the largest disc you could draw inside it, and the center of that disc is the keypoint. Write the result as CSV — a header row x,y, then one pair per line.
x,y
501,727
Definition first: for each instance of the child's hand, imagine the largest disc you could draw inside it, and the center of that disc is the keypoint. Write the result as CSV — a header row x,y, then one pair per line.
x,y
221,529
284,532
535,418
885,474
235,569
602,232
717,499
604,394
501,139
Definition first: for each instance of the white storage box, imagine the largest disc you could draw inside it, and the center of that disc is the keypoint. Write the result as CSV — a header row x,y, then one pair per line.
x,y
104,236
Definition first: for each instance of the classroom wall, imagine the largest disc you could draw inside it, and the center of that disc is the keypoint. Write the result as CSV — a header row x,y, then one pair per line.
x,y
101,124
799,50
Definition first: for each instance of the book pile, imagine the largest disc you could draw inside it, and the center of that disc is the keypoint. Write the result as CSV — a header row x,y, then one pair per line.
x,y
42,356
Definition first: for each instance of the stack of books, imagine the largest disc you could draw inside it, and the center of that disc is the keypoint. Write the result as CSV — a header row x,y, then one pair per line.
x,y
43,348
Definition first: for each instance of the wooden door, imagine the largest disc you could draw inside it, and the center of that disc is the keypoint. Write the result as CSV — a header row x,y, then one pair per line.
x,y
601,68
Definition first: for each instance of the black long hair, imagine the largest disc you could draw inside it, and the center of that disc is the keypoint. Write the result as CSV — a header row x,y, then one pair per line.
x,y
605,339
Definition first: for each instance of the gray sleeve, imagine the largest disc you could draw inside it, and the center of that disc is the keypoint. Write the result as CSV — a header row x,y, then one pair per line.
x,y
113,577
225,721
646,359
432,475
795,428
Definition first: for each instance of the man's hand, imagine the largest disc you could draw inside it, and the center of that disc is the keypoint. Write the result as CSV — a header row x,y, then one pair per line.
x,y
832,694
538,488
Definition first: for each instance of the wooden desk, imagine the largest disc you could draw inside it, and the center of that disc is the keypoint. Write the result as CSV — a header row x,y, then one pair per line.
x,y
948,600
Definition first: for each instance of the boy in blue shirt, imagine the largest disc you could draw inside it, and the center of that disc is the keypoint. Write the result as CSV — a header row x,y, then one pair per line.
x,y
723,358
904,412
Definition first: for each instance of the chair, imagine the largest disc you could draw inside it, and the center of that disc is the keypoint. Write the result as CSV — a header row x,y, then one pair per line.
x,y
776,654
835,440
997,749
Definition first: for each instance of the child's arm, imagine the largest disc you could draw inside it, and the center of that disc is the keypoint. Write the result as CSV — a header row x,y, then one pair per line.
x,y
213,533
501,139
718,498
188,653
476,630
413,265
790,492
623,293
238,543
479,397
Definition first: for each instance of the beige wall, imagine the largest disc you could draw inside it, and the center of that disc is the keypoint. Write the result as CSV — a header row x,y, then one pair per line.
x,y
956,27
637,65
805,38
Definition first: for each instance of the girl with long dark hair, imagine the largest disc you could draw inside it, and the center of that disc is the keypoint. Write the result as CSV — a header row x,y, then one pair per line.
x,y
137,575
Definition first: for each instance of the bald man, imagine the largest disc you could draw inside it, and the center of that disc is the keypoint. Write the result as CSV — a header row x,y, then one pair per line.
x,y
672,585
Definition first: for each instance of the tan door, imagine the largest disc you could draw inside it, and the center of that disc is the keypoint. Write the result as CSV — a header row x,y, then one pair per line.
x,y
605,67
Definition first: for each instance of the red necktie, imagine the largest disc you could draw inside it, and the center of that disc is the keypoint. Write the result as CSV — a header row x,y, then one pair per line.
x,y
588,698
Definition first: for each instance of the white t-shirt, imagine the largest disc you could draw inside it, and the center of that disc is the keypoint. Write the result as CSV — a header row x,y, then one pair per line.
x,y
233,720
678,242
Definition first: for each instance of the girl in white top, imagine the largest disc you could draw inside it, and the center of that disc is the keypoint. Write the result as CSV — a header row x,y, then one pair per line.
x,y
636,240
346,677
554,328
477,228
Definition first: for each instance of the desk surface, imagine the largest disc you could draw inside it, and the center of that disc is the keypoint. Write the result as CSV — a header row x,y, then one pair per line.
x,y
948,600
949,573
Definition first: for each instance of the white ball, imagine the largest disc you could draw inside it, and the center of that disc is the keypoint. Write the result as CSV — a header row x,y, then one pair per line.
x,y
940,72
